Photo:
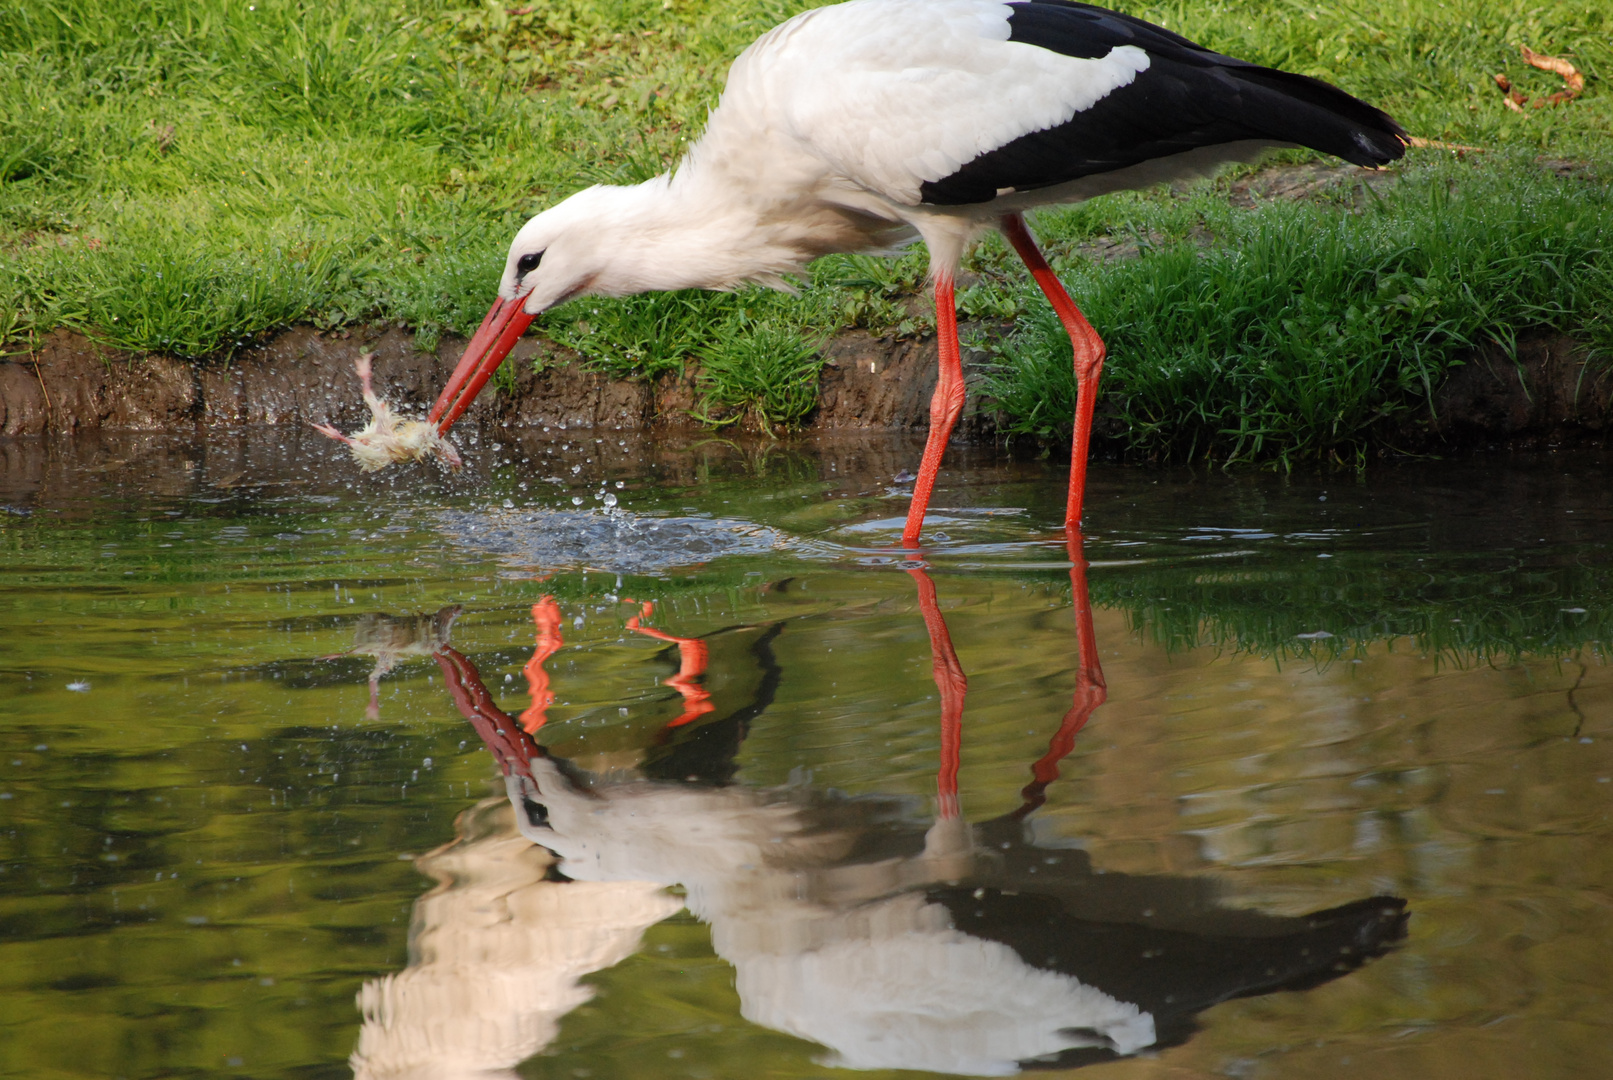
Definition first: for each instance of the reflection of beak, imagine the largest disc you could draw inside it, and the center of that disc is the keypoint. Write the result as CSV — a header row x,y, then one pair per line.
x,y
503,327
513,748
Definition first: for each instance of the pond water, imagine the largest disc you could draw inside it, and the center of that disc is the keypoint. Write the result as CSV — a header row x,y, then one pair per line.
x,y
613,758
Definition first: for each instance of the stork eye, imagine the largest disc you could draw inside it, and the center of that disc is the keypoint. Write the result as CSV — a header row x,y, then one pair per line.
x,y
527,263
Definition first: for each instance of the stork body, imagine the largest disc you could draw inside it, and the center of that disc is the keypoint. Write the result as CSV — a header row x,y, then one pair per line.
x,y
859,127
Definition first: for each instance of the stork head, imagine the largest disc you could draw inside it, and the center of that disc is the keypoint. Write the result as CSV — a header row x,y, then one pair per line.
x,y
572,249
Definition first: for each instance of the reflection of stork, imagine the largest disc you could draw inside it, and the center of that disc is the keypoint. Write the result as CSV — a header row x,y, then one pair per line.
x,y
1090,689
498,951
952,948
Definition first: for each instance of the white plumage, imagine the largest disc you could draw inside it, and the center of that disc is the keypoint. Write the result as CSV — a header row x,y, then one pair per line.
x,y
827,128
878,96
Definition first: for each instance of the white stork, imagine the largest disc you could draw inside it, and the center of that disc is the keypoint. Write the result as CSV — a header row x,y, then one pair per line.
x,y
858,127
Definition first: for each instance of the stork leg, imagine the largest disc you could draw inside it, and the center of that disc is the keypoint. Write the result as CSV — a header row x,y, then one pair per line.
x,y
1090,689
945,407
1089,354
953,685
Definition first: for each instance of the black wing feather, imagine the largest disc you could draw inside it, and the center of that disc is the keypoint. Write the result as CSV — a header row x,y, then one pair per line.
x,y
1189,97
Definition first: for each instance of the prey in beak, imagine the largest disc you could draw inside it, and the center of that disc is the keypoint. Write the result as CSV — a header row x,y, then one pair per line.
x,y
387,439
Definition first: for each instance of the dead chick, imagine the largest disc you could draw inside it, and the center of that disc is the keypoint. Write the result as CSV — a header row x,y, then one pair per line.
x,y
387,439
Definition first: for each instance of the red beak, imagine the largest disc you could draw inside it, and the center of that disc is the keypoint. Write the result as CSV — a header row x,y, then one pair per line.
x,y
503,327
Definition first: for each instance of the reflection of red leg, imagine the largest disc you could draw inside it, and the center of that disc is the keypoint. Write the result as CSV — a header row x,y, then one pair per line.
x,y
546,616
945,406
953,685
1090,689
1089,353
692,654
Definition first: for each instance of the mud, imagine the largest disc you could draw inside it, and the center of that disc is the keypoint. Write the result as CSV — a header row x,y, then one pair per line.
x,y
1551,394
72,385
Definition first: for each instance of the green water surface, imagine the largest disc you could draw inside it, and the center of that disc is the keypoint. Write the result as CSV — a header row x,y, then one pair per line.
x,y
1320,689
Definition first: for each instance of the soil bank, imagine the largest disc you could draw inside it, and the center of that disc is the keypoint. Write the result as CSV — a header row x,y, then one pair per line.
x,y
69,384
1549,394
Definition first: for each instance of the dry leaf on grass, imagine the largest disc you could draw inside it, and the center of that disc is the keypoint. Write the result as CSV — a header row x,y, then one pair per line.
x,y
1573,81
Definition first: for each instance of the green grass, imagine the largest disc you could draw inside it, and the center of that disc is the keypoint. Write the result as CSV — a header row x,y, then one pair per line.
x,y
1304,330
186,176
762,370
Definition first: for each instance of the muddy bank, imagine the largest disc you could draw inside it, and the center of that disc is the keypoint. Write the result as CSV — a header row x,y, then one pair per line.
x,y
1551,394
71,385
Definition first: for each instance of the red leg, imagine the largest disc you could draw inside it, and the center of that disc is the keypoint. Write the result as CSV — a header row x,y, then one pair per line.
x,y
331,433
945,407
1089,353
953,685
546,617
1090,689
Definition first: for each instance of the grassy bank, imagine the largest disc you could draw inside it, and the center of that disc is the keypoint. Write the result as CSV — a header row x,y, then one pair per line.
x,y
1309,329
182,177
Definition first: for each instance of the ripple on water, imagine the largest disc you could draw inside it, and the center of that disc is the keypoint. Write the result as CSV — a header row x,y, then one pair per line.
x,y
615,541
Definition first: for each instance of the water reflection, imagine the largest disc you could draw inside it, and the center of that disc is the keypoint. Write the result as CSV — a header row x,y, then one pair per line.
x,y
392,639
894,942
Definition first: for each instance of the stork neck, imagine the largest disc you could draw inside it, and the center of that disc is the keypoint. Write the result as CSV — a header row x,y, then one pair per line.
x,y
693,231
